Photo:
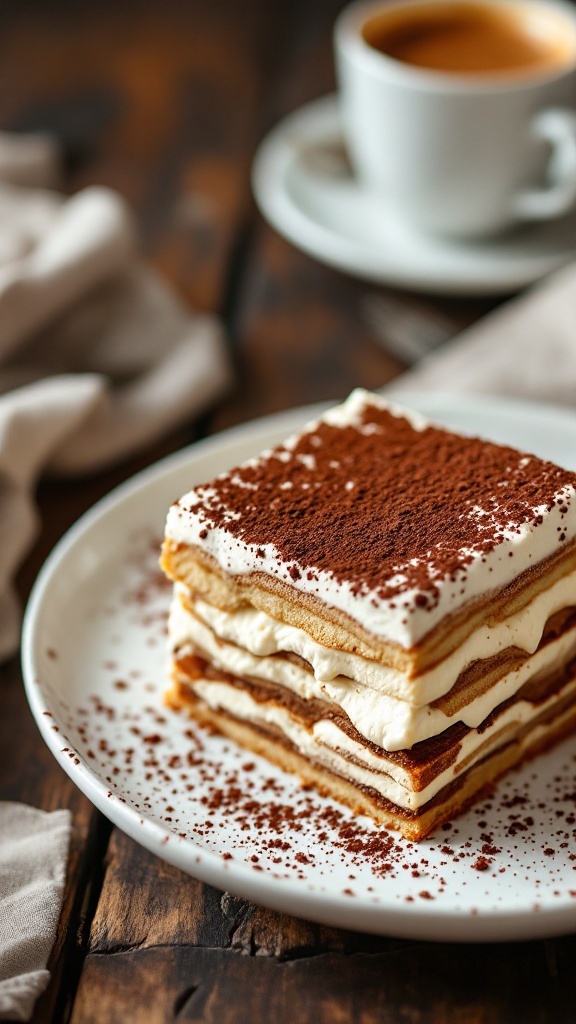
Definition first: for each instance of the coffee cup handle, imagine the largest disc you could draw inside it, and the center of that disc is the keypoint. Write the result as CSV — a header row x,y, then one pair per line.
x,y
557,127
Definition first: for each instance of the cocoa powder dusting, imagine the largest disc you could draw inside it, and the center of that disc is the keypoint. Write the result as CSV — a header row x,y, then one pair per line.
x,y
382,499
219,799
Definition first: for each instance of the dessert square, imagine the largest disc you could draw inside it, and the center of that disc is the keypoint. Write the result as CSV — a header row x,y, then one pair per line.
x,y
381,606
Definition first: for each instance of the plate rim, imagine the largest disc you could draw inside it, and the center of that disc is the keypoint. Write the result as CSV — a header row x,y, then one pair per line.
x,y
332,908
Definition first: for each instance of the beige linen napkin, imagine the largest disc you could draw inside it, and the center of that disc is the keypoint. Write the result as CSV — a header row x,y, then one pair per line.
x,y
33,854
97,358
526,349
97,355
31,159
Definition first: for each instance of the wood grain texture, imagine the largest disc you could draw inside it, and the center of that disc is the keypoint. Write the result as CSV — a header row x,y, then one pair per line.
x,y
419,984
28,772
145,902
132,95
166,101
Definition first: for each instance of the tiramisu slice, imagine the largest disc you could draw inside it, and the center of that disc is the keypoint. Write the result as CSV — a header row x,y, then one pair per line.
x,y
382,606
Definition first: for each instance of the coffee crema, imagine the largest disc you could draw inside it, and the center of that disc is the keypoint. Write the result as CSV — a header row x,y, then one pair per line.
x,y
474,38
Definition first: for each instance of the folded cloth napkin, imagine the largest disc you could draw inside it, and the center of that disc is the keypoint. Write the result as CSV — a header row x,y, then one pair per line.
x,y
32,159
97,355
526,348
97,358
33,853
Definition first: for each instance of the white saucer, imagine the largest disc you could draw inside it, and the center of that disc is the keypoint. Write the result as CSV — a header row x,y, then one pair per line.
x,y
304,186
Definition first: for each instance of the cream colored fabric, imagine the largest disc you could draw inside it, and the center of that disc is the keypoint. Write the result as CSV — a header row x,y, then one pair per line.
x,y
33,855
32,159
98,357
526,348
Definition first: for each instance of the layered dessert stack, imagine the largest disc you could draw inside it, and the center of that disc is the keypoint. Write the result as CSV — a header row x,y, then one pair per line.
x,y
381,606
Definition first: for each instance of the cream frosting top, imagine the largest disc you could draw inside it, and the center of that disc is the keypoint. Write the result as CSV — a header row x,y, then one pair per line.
x,y
383,516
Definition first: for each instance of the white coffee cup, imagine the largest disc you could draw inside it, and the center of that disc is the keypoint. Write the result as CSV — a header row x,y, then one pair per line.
x,y
463,153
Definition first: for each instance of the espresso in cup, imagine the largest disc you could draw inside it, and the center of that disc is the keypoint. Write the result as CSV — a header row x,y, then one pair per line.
x,y
471,38
461,114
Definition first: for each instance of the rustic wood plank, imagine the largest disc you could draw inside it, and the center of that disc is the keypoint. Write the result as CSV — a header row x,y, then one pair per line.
x,y
424,984
146,906
121,89
163,102
297,327
299,335
166,103
28,772
300,330
146,98
145,902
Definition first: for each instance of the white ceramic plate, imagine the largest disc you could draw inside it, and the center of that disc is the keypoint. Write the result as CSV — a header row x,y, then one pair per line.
x,y
304,187
95,667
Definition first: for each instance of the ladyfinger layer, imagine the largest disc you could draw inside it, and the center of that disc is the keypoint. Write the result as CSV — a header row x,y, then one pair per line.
x,y
385,720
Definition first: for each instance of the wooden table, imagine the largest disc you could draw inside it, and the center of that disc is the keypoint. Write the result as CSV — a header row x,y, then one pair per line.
x,y
166,102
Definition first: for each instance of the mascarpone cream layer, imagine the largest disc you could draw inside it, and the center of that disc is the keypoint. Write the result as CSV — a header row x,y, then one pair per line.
x,y
326,744
262,635
400,621
388,722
